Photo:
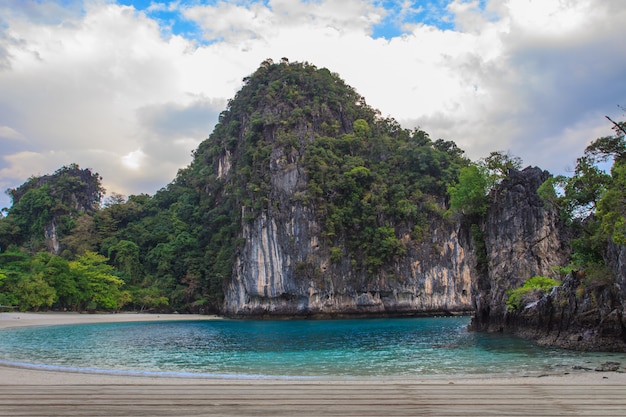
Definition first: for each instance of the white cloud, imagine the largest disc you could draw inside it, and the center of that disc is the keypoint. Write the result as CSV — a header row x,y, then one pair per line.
x,y
133,160
98,84
24,164
233,22
17,167
7,132
528,76
77,89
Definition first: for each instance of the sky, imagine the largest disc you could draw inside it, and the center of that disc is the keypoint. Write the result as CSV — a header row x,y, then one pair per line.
x,y
129,88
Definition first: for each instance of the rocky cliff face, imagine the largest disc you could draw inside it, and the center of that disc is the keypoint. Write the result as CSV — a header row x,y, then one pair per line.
x,y
582,313
574,316
285,269
524,238
616,259
337,211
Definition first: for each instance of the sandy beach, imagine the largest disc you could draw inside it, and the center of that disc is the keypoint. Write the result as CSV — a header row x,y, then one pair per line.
x,y
35,392
9,320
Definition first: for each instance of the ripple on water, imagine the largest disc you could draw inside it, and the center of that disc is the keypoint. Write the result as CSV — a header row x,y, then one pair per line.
x,y
321,348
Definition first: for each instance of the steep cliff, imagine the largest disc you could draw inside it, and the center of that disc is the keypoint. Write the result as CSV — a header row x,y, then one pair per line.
x,y
524,237
332,210
283,269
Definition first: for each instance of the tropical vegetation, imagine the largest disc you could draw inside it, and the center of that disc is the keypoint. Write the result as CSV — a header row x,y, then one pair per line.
x,y
369,182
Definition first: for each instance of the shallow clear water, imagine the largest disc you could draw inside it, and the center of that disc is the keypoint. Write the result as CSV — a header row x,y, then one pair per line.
x,y
371,348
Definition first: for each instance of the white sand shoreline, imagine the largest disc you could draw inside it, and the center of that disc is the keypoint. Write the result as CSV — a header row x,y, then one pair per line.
x,y
18,319
28,375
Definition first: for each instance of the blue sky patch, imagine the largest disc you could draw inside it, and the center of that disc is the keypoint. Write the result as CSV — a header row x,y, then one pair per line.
x,y
402,13
169,17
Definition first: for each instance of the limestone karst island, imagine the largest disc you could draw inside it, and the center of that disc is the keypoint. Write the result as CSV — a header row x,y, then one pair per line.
x,y
305,203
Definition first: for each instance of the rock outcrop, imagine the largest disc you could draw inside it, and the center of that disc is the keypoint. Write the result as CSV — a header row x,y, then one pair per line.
x,y
298,147
298,278
46,204
524,238
284,268
574,316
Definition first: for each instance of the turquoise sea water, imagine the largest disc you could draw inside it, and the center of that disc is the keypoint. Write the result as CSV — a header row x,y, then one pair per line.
x,y
325,348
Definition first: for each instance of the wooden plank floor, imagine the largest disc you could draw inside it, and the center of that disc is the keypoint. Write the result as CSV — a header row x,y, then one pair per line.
x,y
302,398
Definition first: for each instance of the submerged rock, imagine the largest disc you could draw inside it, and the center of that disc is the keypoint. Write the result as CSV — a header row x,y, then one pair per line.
x,y
608,367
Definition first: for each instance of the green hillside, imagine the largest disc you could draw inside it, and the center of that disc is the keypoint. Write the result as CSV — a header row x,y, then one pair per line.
x,y
373,188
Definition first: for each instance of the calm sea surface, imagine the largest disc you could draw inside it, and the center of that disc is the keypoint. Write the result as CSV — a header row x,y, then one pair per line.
x,y
228,348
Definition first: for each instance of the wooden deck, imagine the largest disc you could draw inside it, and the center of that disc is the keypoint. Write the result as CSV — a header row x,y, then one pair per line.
x,y
318,398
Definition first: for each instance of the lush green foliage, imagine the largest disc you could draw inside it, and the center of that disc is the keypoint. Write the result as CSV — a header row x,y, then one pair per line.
x,y
593,203
612,207
370,185
44,280
374,188
51,200
536,284
469,195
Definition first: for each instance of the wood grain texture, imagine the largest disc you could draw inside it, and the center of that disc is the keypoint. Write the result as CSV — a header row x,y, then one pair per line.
x,y
318,398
